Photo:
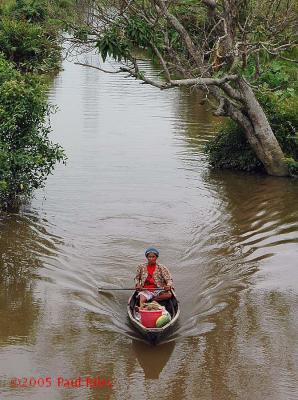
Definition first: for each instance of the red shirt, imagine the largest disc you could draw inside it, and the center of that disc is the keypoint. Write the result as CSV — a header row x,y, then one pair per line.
x,y
149,283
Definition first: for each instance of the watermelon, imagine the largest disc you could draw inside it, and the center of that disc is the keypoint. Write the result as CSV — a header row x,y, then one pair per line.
x,y
162,321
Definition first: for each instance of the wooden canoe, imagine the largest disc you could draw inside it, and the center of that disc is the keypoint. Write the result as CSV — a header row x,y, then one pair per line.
x,y
154,335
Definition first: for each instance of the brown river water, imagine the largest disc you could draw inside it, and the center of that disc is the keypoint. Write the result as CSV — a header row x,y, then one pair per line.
x,y
137,176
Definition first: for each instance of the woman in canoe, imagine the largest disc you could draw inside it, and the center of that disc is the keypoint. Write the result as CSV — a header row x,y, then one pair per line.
x,y
152,275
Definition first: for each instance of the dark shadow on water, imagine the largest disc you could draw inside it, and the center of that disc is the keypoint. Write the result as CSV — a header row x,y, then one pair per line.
x,y
152,359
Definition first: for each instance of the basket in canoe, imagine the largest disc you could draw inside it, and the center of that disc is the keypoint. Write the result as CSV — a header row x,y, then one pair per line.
x,y
154,335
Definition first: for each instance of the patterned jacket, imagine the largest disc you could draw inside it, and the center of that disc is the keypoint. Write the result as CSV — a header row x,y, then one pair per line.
x,y
161,275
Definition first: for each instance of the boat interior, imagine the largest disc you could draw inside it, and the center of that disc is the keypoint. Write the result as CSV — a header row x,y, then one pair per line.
x,y
171,305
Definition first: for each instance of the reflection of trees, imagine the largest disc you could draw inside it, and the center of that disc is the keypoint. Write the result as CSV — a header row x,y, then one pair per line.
x,y
21,244
197,122
262,211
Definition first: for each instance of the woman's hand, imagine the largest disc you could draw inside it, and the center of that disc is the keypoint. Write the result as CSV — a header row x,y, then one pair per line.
x,y
138,286
167,288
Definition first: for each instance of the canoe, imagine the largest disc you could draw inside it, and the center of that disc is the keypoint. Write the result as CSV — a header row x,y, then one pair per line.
x,y
154,335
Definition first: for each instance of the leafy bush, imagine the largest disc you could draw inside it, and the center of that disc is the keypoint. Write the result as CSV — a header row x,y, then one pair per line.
x,y
293,167
281,110
30,10
29,46
27,155
29,40
38,11
229,149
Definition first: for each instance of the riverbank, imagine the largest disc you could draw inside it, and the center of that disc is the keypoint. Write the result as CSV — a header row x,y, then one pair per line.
x,y
30,55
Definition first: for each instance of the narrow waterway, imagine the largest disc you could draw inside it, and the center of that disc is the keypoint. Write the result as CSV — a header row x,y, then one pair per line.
x,y
136,176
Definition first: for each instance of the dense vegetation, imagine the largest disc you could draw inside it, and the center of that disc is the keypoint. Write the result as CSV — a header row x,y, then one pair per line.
x,y
27,155
278,95
29,52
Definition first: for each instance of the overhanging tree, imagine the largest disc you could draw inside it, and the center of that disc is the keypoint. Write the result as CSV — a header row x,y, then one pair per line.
x,y
208,44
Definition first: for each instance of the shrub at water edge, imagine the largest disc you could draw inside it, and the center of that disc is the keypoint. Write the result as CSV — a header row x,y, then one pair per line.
x,y
27,155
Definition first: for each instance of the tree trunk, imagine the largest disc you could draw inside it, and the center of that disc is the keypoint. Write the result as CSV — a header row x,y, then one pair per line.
x,y
259,132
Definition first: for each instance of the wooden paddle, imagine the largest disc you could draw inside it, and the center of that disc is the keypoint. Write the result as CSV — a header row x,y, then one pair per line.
x,y
108,289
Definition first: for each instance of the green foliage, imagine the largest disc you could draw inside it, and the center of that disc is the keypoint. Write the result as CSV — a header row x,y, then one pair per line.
x,y
293,167
29,39
121,39
27,155
113,44
29,46
81,33
36,11
139,33
278,96
193,17
5,6
30,10
282,112
229,149
276,75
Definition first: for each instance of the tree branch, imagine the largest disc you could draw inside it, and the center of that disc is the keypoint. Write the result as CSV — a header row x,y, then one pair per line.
x,y
98,68
204,81
138,75
191,48
162,61
231,92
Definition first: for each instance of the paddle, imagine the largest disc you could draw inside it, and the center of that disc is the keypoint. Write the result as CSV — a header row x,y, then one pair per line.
x,y
107,289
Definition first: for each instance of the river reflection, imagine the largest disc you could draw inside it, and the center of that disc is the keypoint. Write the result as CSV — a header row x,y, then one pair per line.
x,y
152,359
19,308
137,176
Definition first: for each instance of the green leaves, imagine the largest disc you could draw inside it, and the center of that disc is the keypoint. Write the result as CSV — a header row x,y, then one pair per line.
x,y
229,149
113,44
139,33
30,46
29,40
27,156
275,76
30,10
293,167
122,38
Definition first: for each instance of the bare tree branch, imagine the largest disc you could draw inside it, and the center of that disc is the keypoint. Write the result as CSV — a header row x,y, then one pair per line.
x,y
231,92
98,68
204,81
162,61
